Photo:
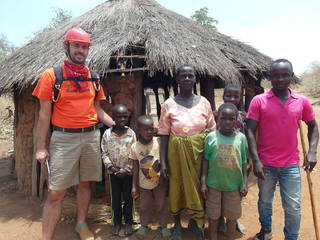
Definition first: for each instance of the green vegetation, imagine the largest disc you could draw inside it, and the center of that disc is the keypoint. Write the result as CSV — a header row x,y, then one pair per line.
x,y
60,16
201,17
6,47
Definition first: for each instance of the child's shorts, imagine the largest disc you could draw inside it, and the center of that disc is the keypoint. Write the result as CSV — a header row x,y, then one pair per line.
x,y
223,203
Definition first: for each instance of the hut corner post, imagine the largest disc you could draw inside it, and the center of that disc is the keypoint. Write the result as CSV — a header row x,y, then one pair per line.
x,y
139,106
127,90
25,112
207,90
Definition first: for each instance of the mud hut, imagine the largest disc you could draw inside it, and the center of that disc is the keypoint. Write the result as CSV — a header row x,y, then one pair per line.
x,y
137,44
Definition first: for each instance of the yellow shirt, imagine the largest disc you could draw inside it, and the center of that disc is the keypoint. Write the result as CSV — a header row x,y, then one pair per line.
x,y
149,162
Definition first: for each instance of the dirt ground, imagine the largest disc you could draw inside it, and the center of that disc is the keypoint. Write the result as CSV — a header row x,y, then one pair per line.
x,y
20,216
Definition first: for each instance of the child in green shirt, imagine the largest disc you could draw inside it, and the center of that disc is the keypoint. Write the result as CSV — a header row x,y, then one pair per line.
x,y
232,94
224,178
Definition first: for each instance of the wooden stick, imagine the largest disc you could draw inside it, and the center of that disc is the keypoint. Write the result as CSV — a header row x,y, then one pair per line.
x,y
314,214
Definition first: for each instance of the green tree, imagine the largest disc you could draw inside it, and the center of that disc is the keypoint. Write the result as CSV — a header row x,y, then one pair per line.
x,y
60,16
201,17
6,47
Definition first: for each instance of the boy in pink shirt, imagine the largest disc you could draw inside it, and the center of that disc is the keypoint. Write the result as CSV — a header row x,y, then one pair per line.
x,y
275,115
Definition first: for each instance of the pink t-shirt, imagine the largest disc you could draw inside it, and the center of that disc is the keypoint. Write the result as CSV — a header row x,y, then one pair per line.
x,y
184,122
278,125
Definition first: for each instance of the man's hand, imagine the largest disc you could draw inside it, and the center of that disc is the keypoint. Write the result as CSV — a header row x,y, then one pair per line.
x,y
134,192
204,191
258,170
42,155
311,162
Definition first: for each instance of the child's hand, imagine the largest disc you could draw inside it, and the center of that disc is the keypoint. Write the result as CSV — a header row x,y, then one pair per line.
x,y
163,181
134,192
204,191
113,169
248,168
164,171
122,173
244,192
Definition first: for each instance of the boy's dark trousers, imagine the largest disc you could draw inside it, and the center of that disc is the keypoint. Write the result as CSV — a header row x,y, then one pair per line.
x,y
121,192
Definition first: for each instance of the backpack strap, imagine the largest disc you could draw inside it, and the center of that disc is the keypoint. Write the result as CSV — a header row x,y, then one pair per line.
x,y
95,78
58,83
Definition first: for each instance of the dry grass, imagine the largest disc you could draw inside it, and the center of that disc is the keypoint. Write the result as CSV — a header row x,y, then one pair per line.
x,y
311,81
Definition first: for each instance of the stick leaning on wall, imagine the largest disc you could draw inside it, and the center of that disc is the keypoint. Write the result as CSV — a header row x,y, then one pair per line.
x,y
314,213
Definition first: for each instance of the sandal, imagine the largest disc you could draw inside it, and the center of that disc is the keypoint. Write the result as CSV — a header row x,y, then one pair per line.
x,y
128,230
193,226
177,233
116,229
84,232
142,232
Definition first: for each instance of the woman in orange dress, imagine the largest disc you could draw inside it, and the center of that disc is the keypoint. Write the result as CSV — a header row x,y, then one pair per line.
x,y
184,123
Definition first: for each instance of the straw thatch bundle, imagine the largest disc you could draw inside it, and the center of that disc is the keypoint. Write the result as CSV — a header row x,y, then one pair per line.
x,y
169,40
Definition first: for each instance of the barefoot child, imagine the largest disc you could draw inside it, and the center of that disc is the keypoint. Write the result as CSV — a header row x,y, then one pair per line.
x,y
146,179
232,94
224,178
115,145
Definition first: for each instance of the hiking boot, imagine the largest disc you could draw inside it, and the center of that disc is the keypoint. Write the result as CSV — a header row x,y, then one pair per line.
x,y
84,232
142,232
165,233
193,226
116,229
263,235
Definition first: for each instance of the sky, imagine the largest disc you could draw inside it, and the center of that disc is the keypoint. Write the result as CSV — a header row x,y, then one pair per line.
x,y
280,29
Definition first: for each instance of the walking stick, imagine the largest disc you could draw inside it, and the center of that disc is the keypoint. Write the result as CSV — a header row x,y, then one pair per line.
x,y
314,214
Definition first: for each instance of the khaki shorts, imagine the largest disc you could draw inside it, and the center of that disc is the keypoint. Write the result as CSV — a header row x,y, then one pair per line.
x,y
74,158
223,203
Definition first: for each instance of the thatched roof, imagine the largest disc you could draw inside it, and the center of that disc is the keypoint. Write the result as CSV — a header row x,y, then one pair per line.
x,y
169,39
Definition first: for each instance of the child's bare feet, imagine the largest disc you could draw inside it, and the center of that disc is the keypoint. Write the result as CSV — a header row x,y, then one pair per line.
x,y
128,230
193,226
142,232
116,229
177,232
165,233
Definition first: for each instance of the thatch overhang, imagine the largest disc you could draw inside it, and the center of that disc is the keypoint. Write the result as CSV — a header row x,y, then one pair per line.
x,y
169,40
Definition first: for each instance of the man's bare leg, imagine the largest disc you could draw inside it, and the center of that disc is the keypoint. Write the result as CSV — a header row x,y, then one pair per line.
x,y
83,201
51,213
